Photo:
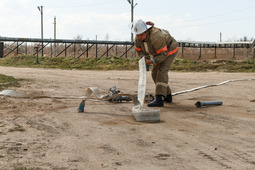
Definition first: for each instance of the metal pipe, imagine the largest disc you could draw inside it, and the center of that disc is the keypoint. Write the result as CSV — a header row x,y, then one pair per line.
x,y
65,41
209,103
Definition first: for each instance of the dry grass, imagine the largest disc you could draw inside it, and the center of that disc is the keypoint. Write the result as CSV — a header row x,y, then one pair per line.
x,y
117,63
8,81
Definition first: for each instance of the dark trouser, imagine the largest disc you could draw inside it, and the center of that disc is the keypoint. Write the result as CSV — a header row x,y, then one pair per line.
x,y
160,76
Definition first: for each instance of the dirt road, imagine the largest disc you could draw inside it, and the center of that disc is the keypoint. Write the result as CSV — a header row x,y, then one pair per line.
x,y
51,134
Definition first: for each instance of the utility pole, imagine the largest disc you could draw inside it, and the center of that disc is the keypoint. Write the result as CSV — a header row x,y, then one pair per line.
x,y
220,37
55,28
131,2
55,34
132,18
40,8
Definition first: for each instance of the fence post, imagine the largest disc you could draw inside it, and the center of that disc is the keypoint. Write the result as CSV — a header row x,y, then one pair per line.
x,y
116,50
50,49
87,50
37,47
182,51
96,50
74,50
253,53
107,49
249,51
26,48
200,52
1,50
126,51
65,50
17,48
215,50
234,52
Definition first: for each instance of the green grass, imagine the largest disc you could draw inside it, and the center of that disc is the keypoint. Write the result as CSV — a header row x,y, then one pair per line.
x,y
25,168
214,65
117,63
8,81
17,128
108,63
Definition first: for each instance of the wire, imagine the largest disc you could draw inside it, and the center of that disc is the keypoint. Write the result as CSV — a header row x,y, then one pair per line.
x,y
86,5
16,12
95,3
218,22
222,14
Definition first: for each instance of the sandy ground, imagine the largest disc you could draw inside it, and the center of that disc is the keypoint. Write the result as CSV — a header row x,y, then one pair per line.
x,y
51,134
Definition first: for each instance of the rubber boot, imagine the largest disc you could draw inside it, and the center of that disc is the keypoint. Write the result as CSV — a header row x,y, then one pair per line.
x,y
158,102
169,99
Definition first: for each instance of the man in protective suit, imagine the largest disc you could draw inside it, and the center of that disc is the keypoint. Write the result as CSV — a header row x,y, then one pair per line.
x,y
159,49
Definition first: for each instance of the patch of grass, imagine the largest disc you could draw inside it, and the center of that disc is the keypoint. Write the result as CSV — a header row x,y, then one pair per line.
x,y
24,168
8,81
17,128
106,63
117,63
1,156
217,65
2,125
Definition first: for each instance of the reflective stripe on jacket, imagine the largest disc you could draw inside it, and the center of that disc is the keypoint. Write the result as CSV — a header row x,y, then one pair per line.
x,y
160,44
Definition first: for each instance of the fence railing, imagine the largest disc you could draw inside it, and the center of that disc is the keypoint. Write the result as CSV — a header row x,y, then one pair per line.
x,y
195,50
61,47
198,50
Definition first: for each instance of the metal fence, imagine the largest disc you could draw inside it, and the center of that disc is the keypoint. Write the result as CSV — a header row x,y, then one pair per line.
x,y
217,50
66,48
193,50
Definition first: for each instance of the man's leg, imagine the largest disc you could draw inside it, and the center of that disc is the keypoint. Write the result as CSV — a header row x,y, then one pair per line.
x,y
158,102
168,97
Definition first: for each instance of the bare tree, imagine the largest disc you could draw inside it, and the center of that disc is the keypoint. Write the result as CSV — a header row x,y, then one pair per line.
x,y
245,38
107,37
78,37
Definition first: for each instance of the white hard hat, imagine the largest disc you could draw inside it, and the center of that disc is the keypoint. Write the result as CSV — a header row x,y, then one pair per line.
x,y
139,26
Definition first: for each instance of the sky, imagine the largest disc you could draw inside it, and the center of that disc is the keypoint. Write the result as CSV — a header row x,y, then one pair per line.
x,y
186,20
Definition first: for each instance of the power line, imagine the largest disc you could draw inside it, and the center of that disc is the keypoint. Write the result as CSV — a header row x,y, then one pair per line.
x,y
218,22
15,12
222,14
86,5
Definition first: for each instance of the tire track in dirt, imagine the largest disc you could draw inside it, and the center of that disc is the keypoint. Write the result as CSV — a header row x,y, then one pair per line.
x,y
215,148
106,136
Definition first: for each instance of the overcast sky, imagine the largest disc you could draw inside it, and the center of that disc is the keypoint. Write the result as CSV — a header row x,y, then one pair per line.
x,y
197,20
